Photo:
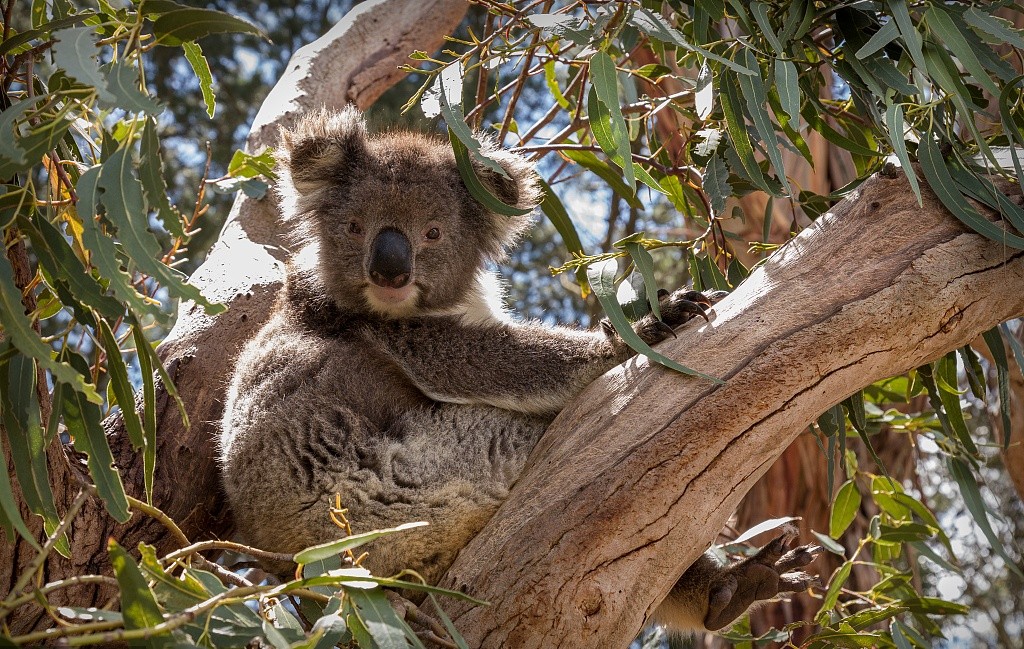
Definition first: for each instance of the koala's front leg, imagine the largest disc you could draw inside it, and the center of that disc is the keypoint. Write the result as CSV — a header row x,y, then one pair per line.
x,y
710,596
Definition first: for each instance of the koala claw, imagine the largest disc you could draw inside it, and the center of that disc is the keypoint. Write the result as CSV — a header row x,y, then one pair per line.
x,y
768,573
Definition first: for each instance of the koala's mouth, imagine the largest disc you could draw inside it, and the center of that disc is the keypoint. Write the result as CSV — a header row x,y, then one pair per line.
x,y
392,301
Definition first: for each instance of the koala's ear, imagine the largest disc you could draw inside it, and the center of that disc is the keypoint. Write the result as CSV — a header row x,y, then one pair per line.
x,y
521,188
323,148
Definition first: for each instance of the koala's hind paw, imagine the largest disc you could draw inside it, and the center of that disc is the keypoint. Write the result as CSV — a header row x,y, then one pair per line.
x,y
766,574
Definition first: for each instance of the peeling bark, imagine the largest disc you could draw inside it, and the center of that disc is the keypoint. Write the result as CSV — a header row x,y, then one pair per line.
x,y
636,477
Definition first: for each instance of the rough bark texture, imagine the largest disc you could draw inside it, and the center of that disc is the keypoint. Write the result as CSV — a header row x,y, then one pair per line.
x,y
635,478
353,63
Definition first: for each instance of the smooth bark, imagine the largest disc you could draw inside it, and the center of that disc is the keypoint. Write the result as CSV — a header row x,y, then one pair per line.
x,y
636,477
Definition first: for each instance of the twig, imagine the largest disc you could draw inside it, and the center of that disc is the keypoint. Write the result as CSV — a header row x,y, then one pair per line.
x,y
37,561
202,546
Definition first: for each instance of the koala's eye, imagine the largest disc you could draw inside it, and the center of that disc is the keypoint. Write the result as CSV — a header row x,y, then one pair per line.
x,y
355,228
433,234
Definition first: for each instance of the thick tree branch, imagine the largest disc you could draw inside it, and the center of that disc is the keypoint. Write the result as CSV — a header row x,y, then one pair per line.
x,y
634,479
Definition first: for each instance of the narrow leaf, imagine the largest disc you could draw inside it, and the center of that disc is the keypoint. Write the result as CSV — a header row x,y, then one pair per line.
x,y
18,328
138,606
998,351
82,419
942,183
844,508
976,505
195,58
602,280
606,86
177,27
333,548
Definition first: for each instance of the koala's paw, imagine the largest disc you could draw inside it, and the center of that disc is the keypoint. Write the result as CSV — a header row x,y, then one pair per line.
x,y
770,572
677,308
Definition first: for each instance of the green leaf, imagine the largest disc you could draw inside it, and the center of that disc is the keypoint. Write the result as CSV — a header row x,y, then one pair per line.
x,y
602,280
844,508
75,52
645,264
946,377
475,186
13,156
655,26
942,183
460,642
82,419
976,505
123,84
605,115
10,513
151,173
1015,346
195,58
905,533
61,264
754,93
26,438
247,165
905,24
138,606
165,378
998,351
17,40
182,25
380,619
103,253
122,387
148,406
760,12
896,127
553,208
786,82
952,38
855,406
887,34
998,28
835,586
333,548
863,619
125,208
715,182
729,96
18,329
830,544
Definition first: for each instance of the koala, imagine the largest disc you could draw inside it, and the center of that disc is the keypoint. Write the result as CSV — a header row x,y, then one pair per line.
x,y
389,372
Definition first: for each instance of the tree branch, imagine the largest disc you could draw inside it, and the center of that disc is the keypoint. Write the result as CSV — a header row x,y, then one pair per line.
x,y
635,478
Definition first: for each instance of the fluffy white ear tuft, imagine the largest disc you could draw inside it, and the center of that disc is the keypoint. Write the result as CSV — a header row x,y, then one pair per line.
x,y
323,148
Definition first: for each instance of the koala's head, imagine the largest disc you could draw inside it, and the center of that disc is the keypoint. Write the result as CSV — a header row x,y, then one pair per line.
x,y
398,232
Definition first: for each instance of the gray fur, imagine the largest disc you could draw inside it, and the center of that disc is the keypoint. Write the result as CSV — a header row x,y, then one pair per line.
x,y
421,408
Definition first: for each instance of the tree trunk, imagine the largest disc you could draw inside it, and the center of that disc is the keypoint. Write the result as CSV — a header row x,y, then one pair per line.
x,y
355,62
634,479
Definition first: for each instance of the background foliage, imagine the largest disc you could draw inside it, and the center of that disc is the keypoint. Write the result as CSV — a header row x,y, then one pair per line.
x,y
654,125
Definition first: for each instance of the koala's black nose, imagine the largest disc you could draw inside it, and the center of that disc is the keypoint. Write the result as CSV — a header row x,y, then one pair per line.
x,y
390,259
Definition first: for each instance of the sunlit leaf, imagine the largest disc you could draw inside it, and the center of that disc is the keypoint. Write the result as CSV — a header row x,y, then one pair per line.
x,y
195,58
182,25
844,508
332,548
